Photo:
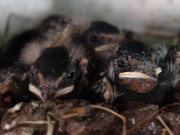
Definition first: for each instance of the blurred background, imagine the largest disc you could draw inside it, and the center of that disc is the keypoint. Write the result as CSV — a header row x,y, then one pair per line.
x,y
145,17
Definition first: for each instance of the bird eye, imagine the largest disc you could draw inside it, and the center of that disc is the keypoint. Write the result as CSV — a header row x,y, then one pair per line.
x,y
69,75
121,63
93,38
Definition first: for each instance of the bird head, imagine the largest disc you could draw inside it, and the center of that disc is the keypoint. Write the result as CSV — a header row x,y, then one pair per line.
x,y
52,75
134,68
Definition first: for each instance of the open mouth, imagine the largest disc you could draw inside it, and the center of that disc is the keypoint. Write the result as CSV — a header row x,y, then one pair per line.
x,y
43,96
136,75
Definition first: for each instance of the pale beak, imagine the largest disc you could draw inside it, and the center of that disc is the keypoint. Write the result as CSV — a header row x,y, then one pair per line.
x,y
135,75
64,91
104,47
36,91
39,93
158,70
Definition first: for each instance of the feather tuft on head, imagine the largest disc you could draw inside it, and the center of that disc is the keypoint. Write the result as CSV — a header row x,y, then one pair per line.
x,y
32,51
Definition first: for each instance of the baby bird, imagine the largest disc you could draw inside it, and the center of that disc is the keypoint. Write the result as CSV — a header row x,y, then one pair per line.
x,y
134,68
98,33
124,65
52,74
139,77
19,66
169,56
